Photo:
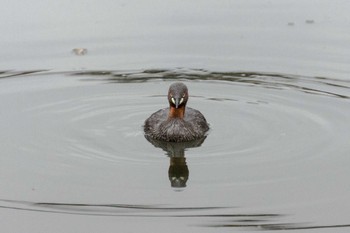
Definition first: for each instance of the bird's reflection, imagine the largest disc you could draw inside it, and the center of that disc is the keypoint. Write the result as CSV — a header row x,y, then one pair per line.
x,y
178,170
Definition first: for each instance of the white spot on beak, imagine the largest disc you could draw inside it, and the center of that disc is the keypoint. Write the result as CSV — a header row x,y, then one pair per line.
x,y
173,100
181,100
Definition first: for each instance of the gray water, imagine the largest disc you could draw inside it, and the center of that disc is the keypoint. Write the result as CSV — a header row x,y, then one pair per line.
x,y
271,78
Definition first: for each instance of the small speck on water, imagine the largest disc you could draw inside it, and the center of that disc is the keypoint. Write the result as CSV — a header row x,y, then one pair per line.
x,y
79,51
309,21
290,24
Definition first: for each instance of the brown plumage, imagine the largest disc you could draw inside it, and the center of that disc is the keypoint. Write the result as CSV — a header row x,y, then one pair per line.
x,y
177,123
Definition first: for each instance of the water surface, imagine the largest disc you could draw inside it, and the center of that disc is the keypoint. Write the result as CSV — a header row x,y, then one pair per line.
x,y
275,158
78,79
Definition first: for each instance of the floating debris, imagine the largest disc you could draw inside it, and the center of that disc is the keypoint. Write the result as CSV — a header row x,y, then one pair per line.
x,y
290,24
309,21
79,51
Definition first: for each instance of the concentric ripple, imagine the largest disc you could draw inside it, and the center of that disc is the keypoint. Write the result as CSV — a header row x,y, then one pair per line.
x,y
254,117
278,144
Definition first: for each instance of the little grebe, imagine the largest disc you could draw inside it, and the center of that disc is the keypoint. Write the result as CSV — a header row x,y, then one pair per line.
x,y
177,123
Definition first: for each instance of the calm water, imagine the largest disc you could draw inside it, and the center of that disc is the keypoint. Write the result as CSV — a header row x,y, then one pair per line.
x,y
271,78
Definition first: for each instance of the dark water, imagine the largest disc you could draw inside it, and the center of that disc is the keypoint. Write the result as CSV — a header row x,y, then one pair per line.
x,y
73,152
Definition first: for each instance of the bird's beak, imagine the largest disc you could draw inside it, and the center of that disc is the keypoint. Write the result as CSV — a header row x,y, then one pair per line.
x,y
177,102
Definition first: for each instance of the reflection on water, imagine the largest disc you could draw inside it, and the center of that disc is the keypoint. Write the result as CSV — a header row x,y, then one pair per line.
x,y
258,222
178,172
277,151
178,169
8,74
268,80
312,85
73,155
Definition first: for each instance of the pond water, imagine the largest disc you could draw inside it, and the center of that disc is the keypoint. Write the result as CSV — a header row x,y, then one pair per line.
x,y
77,82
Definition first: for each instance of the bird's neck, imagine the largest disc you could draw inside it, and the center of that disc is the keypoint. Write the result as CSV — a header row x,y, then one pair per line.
x,y
177,112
